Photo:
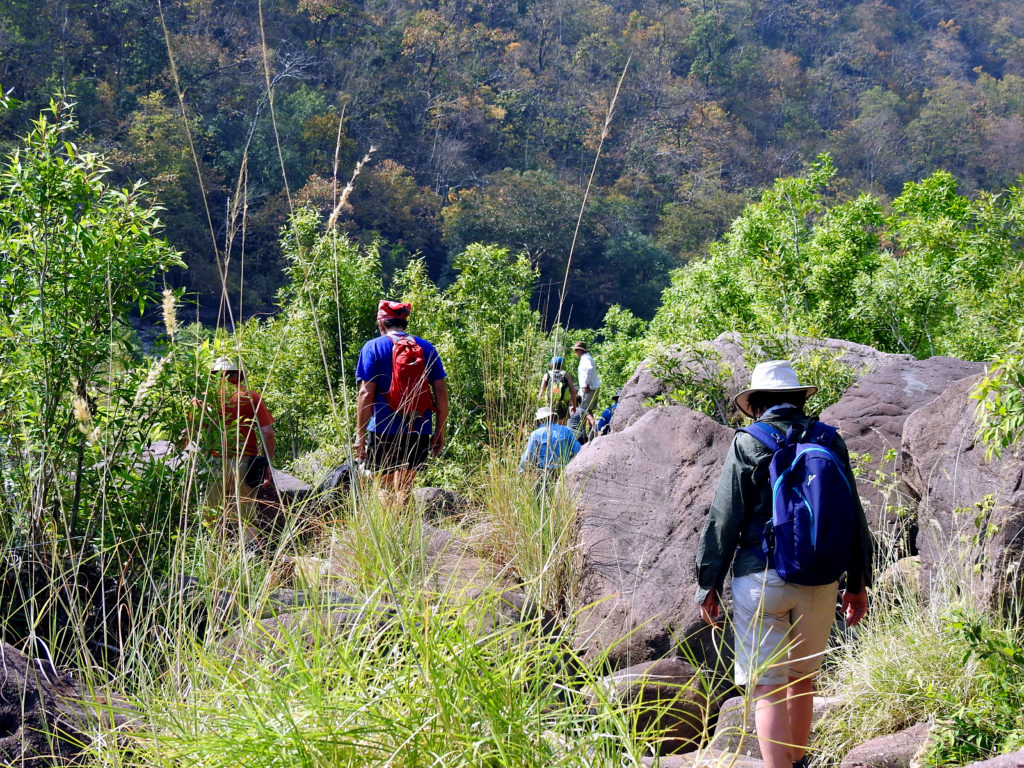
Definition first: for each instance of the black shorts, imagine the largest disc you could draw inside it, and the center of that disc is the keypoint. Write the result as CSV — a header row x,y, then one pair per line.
x,y
405,450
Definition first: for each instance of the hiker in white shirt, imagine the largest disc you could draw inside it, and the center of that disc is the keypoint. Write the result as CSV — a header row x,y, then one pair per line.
x,y
586,376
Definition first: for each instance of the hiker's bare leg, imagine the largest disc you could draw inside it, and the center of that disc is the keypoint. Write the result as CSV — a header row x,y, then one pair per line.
x,y
800,703
772,720
397,485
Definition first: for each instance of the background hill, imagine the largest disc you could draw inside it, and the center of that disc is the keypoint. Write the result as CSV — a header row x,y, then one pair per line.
x,y
486,117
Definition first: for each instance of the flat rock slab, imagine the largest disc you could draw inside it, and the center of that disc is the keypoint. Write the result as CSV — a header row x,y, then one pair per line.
x,y
705,758
642,496
735,733
870,416
897,750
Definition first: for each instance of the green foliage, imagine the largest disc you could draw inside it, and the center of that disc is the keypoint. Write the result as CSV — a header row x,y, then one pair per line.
x,y
991,722
303,360
938,275
1000,395
697,378
487,335
80,257
619,350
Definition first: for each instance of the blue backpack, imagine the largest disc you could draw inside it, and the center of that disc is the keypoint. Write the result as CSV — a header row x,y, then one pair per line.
x,y
814,508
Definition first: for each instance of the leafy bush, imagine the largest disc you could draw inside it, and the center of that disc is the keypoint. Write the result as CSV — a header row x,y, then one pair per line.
x,y
991,722
1000,396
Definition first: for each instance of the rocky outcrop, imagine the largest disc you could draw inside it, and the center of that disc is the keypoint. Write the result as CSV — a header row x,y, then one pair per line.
x,y
871,414
436,503
44,718
724,361
642,495
971,511
667,695
897,750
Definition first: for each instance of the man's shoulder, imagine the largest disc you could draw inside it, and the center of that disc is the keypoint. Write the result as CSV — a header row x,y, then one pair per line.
x,y
376,344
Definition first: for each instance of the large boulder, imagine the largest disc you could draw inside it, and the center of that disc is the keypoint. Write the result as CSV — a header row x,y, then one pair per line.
x,y
1008,760
724,362
437,503
896,750
667,695
971,511
871,414
44,717
642,495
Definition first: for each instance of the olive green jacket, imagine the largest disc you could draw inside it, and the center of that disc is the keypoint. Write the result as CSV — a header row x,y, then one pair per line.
x,y
743,504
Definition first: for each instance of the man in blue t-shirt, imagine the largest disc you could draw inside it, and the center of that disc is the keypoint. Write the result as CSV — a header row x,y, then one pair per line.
x,y
390,443
604,424
551,445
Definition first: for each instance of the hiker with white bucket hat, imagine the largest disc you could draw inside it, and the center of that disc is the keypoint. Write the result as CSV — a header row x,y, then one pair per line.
x,y
787,518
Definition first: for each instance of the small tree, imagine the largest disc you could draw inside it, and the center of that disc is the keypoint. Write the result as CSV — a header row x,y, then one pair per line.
x,y
78,258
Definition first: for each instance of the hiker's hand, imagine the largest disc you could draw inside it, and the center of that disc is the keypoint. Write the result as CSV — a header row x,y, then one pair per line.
x,y
710,609
359,447
855,606
437,444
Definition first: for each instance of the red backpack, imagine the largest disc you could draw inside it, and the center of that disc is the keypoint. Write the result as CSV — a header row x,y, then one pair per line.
x,y
409,394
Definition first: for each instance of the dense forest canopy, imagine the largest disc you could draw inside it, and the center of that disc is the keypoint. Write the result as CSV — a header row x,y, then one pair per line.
x,y
486,118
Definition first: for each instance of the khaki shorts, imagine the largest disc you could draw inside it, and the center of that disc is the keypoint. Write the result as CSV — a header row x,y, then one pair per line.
x,y
589,400
781,629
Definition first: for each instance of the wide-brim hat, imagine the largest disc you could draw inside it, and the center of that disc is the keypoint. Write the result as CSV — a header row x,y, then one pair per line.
x,y
224,365
543,414
773,376
581,346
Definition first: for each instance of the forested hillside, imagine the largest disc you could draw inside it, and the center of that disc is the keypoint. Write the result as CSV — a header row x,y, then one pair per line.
x,y
486,118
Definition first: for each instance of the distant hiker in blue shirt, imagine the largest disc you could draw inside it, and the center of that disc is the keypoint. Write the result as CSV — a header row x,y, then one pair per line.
x,y
401,386
551,445
604,424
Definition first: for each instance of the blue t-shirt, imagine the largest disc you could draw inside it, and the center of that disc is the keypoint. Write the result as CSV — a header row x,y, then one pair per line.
x,y
374,366
550,446
606,416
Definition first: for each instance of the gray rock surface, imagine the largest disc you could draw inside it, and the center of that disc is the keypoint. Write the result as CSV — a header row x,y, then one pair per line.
x,y
725,358
897,750
667,695
434,503
1009,760
642,495
735,733
870,415
44,717
704,758
971,512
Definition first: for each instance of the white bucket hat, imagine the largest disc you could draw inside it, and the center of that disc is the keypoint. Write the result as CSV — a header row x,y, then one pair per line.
x,y
224,365
543,413
773,376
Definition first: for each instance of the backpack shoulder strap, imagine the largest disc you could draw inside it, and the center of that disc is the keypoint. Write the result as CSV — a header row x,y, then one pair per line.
x,y
767,435
821,433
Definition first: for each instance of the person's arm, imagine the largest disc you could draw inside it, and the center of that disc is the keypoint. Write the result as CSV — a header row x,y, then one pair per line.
x,y
721,532
543,386
859,576
268,441
441,406
364,409
527,453
572,387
